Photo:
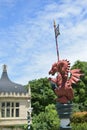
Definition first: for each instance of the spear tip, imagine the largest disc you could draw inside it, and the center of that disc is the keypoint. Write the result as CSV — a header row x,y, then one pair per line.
x,y
54,23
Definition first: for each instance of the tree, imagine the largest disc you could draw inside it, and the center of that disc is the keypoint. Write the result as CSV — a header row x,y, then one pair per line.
x,y
47,120
42,94
80,89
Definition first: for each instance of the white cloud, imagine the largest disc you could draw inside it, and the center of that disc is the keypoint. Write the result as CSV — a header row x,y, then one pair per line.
x,y
31,44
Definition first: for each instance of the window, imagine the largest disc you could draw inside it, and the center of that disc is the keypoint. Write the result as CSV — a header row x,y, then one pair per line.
x,y
12,112
10,109
17,109
8,112
8,104
2,113
3,104
17,112
3,109
7,109
17,104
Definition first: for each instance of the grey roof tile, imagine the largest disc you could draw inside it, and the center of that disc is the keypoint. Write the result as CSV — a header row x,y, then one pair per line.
x,y
6,85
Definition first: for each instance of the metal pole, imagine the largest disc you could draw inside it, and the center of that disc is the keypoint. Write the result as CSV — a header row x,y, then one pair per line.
x,y
28,120
56,30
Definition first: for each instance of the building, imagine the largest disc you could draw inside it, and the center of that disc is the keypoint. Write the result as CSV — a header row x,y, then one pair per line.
x,y
15,102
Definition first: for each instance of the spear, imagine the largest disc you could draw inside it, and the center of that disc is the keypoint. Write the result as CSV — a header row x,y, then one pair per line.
x,y
56,30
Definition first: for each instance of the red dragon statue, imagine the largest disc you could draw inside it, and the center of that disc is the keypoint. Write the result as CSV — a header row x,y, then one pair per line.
x,y
62,84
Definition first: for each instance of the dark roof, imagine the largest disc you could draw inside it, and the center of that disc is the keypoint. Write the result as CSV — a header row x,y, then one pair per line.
x,y
6,85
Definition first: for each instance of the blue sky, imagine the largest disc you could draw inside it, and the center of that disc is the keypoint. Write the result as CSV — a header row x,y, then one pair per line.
x,y
27,41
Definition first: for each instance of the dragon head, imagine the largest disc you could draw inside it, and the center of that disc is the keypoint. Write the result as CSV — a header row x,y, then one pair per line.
x,y
61,67
54,69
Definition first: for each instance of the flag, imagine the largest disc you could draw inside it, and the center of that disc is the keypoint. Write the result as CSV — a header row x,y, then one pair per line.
x,y
57,31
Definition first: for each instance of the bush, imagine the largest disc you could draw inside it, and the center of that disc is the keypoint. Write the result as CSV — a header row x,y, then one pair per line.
x,y
79,117
79,126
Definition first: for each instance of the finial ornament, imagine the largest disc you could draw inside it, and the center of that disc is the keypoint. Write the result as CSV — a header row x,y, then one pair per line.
x,y
54,24
4,68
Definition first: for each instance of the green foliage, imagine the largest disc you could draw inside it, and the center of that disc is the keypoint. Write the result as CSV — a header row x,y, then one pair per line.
x,y
17,127
47,120
39,122
76,108
44,115
79,126
42,94
80,89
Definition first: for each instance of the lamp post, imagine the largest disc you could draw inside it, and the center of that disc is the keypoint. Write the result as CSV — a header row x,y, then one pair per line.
x,y
29,117
29,109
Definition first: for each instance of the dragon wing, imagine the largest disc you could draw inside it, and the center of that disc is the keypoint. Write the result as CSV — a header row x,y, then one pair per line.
x,y
75,76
